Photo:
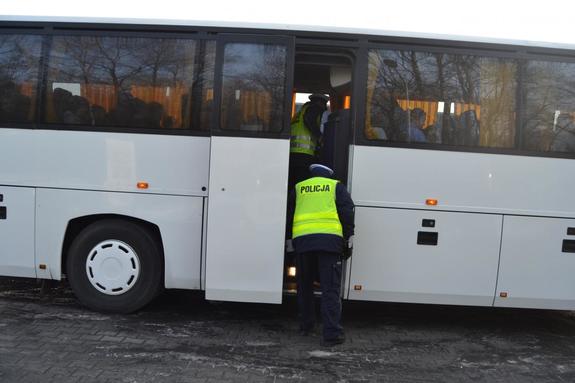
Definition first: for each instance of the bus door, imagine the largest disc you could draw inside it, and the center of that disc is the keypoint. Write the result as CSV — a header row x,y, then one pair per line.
x,y
327,68
249,169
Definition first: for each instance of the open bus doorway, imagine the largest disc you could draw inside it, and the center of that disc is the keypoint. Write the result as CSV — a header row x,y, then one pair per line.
x,y
325,70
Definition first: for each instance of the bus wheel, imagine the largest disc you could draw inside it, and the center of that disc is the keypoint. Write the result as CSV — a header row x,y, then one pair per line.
x,y
114,266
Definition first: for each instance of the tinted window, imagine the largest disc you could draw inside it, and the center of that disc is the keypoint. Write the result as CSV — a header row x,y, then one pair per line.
x,y
440,98
19,63
253,89
549,94
130,82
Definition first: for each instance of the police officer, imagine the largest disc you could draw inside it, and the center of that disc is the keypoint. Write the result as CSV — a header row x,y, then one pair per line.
x,y
323,221
305,137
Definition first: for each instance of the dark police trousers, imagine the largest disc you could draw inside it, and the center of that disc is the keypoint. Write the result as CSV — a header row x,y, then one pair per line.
x,y
329,266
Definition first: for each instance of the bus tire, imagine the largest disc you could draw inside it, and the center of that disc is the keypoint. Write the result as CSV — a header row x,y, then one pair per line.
x,y
115,266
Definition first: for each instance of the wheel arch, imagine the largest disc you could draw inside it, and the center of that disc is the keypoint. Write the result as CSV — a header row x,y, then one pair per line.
x,y
76,225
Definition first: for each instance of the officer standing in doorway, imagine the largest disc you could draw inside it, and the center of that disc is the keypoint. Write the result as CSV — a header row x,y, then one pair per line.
x,y
323,224
305,137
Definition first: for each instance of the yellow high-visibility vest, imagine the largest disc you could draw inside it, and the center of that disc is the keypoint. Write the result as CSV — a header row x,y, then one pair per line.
x,y
316,211
302,141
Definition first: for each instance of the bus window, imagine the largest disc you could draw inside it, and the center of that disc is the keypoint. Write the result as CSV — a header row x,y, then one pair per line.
x,y
253,87
19,64
130,82
440,98
549,112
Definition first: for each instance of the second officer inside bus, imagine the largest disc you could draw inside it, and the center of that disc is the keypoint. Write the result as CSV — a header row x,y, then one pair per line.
x,y
323,222
305,137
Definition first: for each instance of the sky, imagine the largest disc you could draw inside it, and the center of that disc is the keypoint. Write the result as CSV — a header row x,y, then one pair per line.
x,y
526,20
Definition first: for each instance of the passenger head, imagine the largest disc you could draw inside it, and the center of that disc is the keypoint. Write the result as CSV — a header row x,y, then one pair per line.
x,y
319,170
418,116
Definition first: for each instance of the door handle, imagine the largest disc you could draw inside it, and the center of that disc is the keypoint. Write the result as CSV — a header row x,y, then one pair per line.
x,y
427,238
568,246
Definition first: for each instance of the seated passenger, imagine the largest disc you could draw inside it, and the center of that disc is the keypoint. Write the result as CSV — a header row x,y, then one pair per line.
x,y
412,130
468,129
155,115
80,108
14,106
100,116
449,129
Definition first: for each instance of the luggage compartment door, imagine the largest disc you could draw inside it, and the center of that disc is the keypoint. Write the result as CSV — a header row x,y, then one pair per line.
x,y
420,256
537,263
17,231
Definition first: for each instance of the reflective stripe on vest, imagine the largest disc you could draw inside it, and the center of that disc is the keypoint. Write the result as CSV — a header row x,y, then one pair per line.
x,y
302,141
316,211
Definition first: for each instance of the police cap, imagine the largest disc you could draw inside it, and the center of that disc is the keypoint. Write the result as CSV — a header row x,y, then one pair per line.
x,y
320,170
320,96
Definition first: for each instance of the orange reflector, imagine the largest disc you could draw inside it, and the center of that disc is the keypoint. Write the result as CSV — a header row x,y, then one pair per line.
x,y
347,102
142,185
291,271
42,266
431,202
503,294
357,287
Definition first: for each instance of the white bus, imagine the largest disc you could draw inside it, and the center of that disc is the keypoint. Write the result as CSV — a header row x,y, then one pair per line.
x,y
137,156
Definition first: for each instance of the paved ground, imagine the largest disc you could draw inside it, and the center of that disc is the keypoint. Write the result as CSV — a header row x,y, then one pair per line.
x,y
182,338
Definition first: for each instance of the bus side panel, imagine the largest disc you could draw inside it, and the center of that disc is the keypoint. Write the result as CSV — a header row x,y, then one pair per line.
x,y
423,256
105,161
17,232
537,263
178,218
472,182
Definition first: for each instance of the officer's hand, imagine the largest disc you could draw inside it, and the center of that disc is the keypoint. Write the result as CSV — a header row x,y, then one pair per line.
x,y
289,246
348,248
350,242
